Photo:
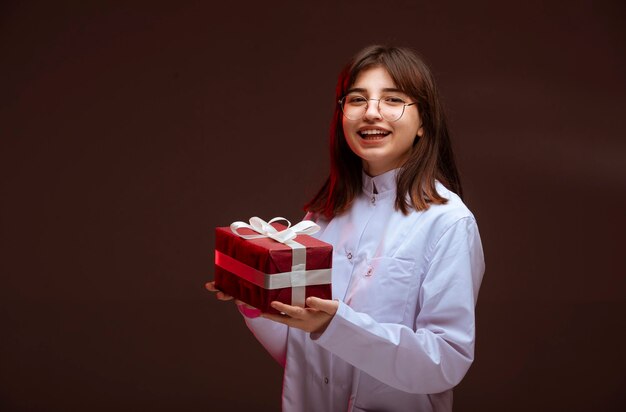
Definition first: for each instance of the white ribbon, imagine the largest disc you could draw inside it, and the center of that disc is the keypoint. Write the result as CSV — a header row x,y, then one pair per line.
x,y
276,280
265,229
298,261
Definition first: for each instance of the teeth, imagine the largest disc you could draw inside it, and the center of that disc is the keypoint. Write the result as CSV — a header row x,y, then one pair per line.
x,y
370,132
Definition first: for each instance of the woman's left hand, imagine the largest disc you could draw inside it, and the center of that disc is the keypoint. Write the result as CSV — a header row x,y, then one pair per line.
x,y
314,318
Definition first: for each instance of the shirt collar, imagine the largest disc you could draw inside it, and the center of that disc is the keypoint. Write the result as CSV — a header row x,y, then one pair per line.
x,y
384,184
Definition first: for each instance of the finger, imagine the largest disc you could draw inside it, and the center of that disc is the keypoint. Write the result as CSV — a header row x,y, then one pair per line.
x,y
223,296
324,305
285,320
293,311
210,286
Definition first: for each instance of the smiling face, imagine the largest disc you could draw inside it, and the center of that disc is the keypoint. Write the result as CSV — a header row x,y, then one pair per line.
x,y
382,145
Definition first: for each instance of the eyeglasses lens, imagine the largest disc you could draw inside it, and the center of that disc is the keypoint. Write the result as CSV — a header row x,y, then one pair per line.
x,y
354,108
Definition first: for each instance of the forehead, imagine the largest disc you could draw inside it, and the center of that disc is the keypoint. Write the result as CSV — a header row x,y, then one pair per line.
x,y
374,78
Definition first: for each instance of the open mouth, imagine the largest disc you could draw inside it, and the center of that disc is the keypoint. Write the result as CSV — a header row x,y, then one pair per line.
x,y
373,134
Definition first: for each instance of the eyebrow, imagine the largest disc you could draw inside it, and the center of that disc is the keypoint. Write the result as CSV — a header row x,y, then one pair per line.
x,y
385,90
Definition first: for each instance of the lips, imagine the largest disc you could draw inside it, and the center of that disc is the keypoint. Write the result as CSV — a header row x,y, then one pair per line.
x,y
373,134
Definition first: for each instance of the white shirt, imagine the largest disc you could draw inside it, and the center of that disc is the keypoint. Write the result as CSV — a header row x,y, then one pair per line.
x,y
403,335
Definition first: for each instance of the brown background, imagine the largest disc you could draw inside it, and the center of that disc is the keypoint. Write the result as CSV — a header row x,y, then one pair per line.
x,y
130,131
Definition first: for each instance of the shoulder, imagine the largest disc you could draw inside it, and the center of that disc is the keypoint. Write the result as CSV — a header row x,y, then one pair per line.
x,y
451,211
439,217
317,219
430,225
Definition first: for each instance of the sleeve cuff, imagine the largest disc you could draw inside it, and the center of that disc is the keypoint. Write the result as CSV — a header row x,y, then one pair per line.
x,y
320,338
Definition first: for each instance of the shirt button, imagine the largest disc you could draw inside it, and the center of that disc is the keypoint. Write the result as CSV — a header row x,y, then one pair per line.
x,y
349,255
369,271
373,199
326,380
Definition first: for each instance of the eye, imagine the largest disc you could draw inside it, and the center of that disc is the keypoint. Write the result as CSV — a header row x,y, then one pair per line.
x,y
393,100
356,100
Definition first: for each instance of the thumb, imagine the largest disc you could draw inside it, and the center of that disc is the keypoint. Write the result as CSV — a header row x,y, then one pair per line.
x,y
324,305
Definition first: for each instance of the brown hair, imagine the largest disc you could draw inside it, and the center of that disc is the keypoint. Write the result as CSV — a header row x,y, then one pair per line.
x,y
431,157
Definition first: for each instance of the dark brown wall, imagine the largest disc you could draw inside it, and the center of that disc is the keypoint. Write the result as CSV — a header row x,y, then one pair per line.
x,y
128,132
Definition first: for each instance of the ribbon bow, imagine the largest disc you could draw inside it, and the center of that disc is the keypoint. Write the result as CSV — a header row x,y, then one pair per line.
x,y
265,229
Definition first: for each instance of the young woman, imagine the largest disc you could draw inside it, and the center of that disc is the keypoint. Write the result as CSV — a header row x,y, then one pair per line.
x,y
399,333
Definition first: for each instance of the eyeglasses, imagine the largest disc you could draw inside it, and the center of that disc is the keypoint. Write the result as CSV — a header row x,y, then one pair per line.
x,y
391,108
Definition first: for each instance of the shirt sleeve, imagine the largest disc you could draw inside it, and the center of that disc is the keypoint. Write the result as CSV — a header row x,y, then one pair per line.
x,y
272,335
434,356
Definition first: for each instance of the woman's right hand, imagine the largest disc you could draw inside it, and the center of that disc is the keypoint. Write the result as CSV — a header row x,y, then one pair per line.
x,y
210,286
247,310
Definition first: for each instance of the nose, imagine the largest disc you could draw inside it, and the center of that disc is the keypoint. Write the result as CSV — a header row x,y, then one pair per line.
x,y
372,112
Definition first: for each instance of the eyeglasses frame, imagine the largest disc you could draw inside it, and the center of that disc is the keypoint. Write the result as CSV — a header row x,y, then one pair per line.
x,y
342,101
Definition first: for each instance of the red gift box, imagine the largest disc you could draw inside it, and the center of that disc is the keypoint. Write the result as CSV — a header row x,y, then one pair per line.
x,y
259,271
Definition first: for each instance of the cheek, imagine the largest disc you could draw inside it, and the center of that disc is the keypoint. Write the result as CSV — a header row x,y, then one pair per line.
x,y
413,125
349,134
346,126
